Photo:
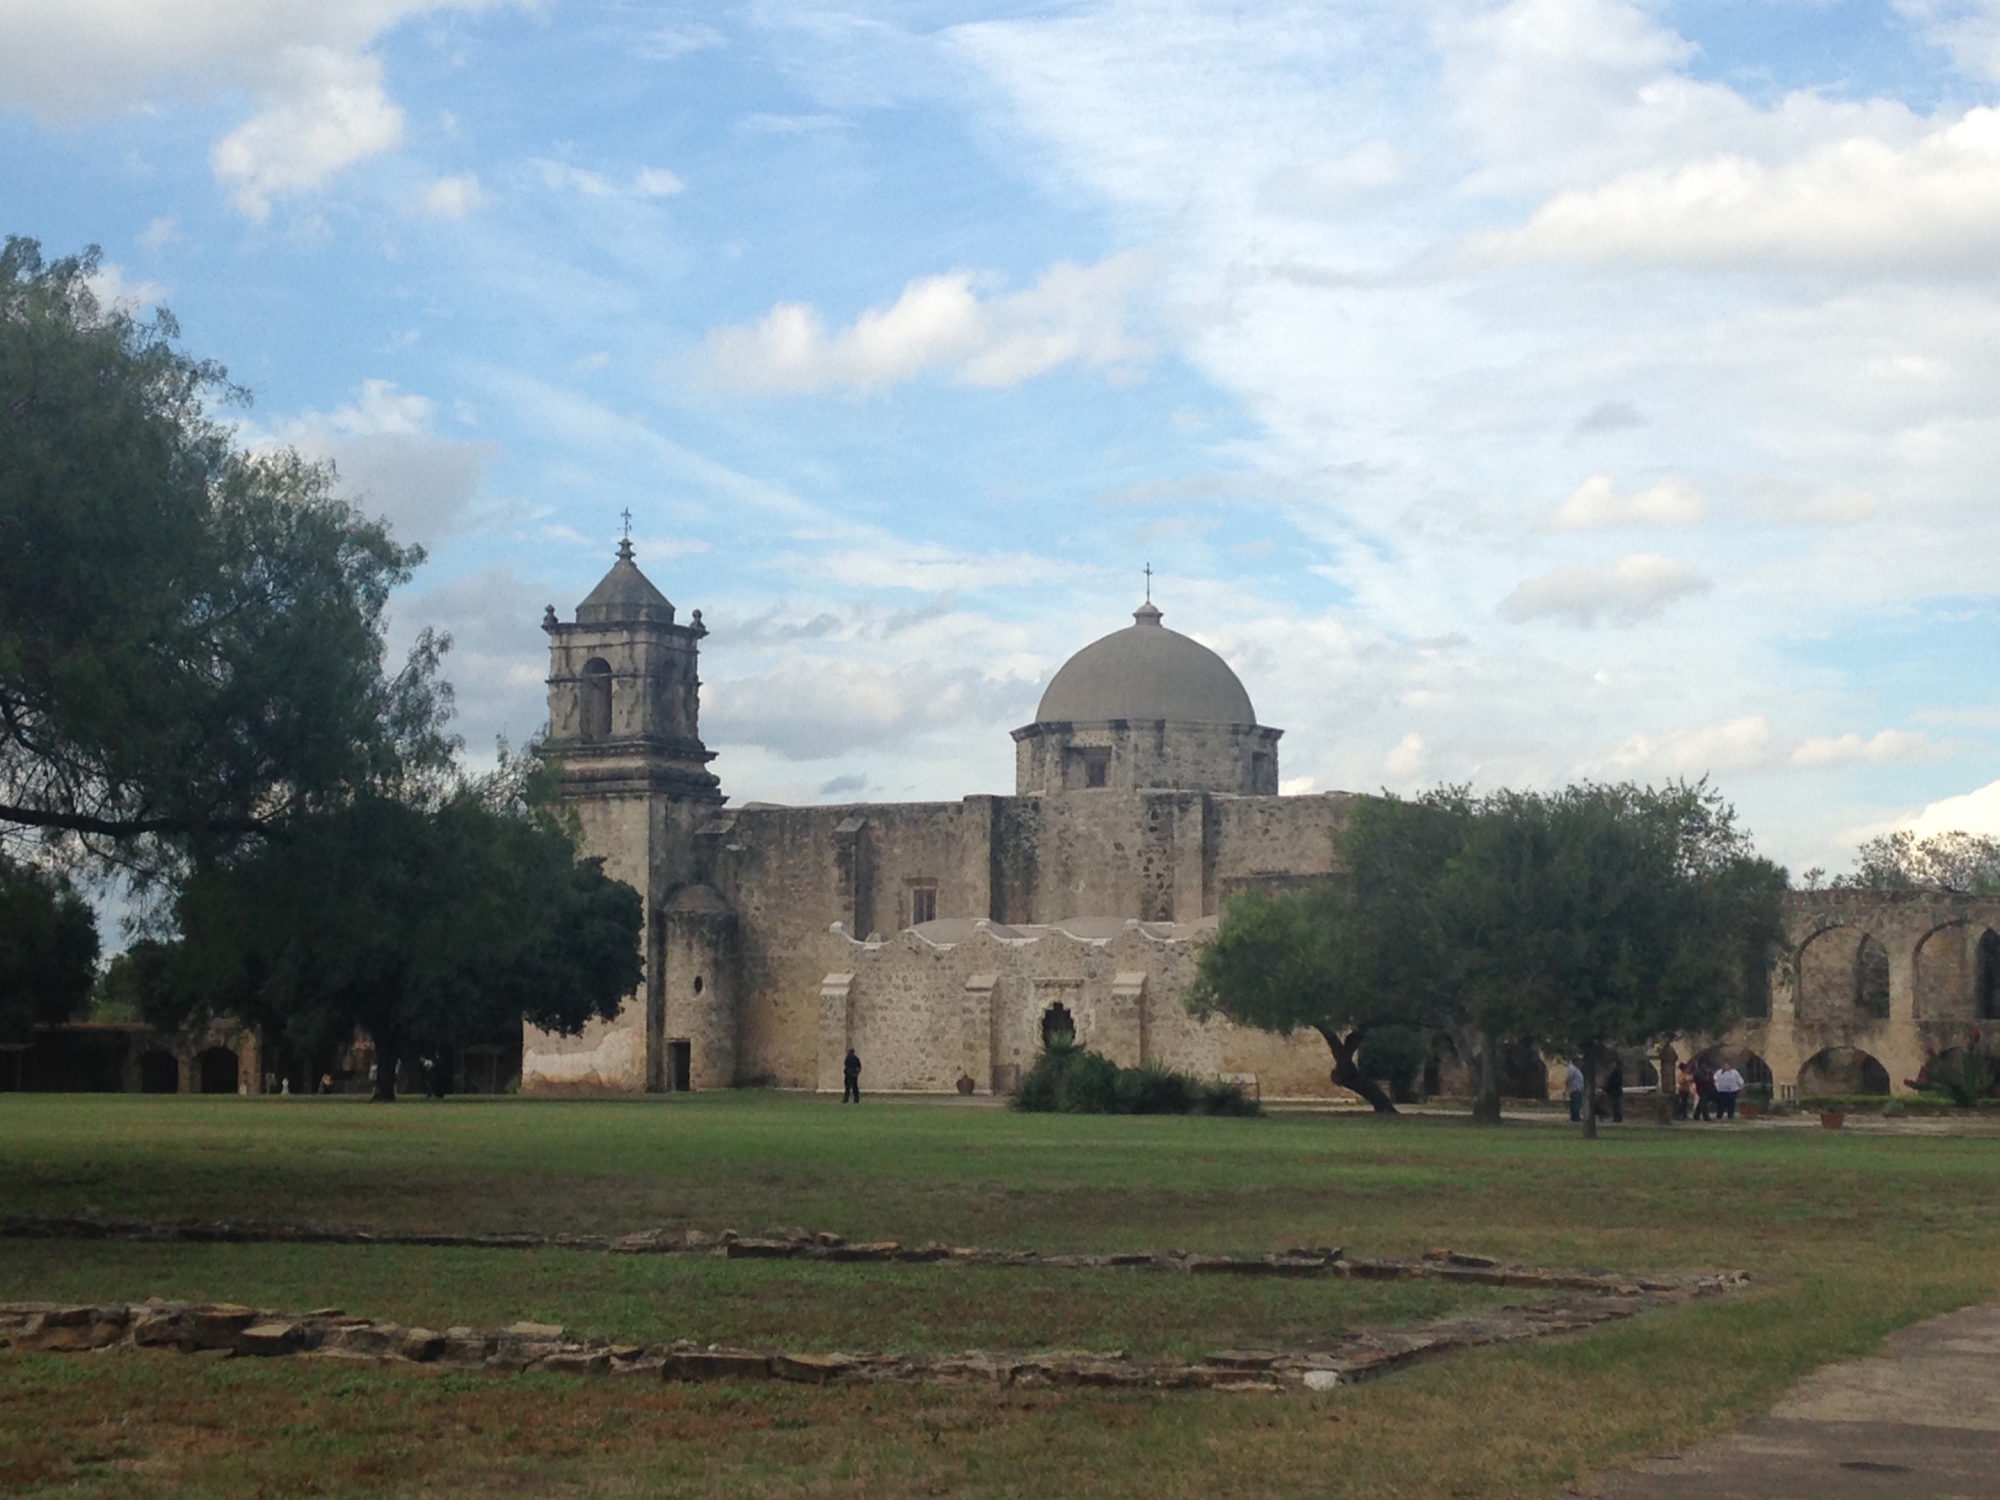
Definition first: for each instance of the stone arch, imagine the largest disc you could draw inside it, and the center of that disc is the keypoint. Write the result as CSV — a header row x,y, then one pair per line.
x,y
1758,1080
594,701
1843,1070
1944,978
1057,1021
1843,975
159,1072
217,1070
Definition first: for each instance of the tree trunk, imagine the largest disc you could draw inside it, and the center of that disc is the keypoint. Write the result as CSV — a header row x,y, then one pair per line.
x,y
386,1049
1590,1091
1347,1073
1486,1087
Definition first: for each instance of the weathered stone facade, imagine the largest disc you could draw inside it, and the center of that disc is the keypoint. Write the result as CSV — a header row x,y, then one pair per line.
x,y
1079,882
936,937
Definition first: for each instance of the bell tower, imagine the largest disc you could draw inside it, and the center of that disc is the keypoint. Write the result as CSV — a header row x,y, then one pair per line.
x,y
624,727
624,691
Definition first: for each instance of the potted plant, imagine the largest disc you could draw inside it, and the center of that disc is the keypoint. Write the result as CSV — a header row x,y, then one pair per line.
x,y
1832,1117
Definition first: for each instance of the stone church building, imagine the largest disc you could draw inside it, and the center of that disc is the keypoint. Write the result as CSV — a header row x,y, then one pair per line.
x,y
944,940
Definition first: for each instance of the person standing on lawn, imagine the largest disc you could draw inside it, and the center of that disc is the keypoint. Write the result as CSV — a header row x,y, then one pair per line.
x,y
1684,1091
1728,1084
1614,1092
1573,1085
850,1072
1704,1091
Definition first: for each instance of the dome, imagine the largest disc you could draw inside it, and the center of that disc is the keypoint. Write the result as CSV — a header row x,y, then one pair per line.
x,y
624,596
1142,673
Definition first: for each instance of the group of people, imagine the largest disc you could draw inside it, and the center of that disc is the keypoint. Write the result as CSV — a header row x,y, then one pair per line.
x,y
1705,1093
1700,1092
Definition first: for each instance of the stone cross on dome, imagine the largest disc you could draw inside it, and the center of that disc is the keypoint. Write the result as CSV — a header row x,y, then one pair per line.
x,y
625,545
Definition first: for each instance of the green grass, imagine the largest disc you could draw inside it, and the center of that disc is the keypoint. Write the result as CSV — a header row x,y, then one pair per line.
x,y
1846,1236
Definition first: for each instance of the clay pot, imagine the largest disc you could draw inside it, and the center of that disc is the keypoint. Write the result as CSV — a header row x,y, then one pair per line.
x,y
1832,1119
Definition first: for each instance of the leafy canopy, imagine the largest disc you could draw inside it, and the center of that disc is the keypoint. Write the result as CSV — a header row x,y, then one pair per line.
x,y
426,928
48,950
191,640
1960,862
1581,920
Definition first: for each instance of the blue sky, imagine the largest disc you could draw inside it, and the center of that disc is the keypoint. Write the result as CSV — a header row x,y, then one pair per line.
x,y
1513,392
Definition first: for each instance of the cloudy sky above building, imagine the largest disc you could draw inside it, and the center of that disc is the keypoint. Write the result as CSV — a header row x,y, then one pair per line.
x,y
1512,392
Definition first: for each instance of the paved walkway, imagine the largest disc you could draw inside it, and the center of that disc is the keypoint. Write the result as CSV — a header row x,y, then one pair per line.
x,y
1919,1421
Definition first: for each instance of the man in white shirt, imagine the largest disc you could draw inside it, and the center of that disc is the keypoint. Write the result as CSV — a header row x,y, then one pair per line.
x,y
1573,1085
1728,1084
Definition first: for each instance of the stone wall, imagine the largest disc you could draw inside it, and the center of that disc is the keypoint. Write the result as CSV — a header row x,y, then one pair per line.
x,y
959,999
1940,951
1130,755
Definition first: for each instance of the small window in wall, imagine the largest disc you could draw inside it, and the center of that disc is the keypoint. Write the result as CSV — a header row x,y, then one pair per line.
x,y
1260,767
594,717
923,904
1057,1023
1096,767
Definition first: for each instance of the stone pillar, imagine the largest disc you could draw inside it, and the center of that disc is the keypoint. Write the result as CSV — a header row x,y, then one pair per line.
x,y
1121,1022
1190,857
836,1028
977,1053
1902,1048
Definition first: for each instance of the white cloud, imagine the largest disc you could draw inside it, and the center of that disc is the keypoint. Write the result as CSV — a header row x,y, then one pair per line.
x,y
677,39
1976,811
1406,761
1886,748
160,233
1598,502
1854,205
320,103
112,288
1750,743
1073,314
656,182
562,176
1968,29
329,112
390,460
453,197
1630,590
1737,745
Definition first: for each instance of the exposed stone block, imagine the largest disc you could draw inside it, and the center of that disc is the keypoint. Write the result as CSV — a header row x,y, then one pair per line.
x,y
716,1364
271,1338
813,1369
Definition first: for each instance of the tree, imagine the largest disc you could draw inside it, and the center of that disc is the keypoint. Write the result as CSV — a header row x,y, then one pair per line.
x,y
1960,862
191,636
426,927
1285,961
1583,920
48,950
1607,916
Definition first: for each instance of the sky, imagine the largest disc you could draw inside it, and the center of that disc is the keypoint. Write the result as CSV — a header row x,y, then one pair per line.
x,y
1512,392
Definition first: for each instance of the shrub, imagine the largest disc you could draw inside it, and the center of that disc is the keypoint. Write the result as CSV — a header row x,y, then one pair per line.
x,y
1220,1098
1071,1080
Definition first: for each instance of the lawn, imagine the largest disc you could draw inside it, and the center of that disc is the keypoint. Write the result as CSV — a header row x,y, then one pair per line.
x,y
1846,1237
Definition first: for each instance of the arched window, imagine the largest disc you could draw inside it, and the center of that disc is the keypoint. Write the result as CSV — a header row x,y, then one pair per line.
x,y
595,716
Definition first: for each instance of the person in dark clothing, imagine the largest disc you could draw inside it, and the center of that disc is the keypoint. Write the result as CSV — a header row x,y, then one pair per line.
x,y
1614,1092
1704,1091
850,1072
